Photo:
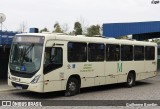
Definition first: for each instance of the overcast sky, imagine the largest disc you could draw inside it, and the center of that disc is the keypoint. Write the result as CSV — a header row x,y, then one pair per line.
x,y
44,13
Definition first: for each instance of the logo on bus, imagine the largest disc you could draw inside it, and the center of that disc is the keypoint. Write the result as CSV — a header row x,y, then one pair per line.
x,y
68,66
119,67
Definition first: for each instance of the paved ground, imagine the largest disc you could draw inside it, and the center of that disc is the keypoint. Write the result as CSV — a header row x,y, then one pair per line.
x,y
148,89
144,90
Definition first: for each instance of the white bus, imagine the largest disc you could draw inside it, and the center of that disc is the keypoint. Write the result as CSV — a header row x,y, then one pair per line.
x,y
45,62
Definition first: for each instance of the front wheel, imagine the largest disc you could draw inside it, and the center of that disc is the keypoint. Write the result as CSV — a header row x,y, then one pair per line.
x,y
73,87
130,80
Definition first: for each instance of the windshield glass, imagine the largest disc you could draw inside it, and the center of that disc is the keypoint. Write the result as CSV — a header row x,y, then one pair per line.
x,y
26,56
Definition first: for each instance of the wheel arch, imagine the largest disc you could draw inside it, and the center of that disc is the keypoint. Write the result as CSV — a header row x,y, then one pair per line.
x,y
133,72
77,77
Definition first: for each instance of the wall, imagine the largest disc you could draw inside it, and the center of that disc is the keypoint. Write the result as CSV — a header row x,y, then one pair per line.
x,y
4,58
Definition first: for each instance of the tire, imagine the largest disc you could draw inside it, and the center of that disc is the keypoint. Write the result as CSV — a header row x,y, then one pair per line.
x,y
130,80
72,87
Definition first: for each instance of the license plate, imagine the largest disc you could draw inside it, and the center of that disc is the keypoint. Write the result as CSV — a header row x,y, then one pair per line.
x,y
18,87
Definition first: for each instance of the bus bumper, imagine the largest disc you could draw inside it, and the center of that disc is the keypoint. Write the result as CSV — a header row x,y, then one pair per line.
x,y
37,87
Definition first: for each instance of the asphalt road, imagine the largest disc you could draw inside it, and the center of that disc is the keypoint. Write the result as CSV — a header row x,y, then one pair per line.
x,y
144,90
148,89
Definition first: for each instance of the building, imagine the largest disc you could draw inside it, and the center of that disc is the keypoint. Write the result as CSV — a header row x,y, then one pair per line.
x,y
138,30
5,44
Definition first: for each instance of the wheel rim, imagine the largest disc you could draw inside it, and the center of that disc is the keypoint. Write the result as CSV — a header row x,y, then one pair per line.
x,y
72,86
130,80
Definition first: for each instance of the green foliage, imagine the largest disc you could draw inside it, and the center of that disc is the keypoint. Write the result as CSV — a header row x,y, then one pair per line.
x,y
78,28
44,30
156,41
122,37
57,28
93,30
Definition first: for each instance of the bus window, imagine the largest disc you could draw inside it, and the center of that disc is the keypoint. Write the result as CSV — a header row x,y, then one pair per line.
x,y
95,52
149,53
53,59
138,53
126,52
77,52
112,52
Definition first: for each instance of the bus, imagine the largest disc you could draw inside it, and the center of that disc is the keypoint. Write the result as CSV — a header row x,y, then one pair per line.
x,y
47,62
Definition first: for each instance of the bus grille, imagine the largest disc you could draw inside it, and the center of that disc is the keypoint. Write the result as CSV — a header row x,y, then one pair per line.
x,y
23,86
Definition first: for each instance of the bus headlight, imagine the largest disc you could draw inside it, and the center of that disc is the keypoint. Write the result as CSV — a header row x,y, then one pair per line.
x,y
35,80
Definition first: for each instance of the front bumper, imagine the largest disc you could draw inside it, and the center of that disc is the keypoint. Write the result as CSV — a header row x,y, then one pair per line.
x,y
37,87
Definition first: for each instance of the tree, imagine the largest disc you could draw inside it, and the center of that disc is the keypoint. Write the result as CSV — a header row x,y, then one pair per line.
x,y
84,25
93,30
44,30
122,37
77,28
156,41
57,28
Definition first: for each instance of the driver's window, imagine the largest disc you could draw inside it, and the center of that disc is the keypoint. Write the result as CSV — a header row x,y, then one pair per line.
x,y
53,59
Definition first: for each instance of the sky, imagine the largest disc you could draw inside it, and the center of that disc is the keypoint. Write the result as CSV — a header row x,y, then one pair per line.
x,y
44,13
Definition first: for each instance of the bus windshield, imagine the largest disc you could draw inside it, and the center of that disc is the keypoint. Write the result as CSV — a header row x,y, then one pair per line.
x,y
26,56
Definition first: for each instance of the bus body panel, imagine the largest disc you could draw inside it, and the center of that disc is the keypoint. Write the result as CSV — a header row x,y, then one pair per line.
x,y
111,72
87,82
97,68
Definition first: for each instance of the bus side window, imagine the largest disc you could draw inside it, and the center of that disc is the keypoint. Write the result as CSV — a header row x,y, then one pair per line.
x,y
126,52
150,53
96,52
77,52
112,52
53,59
138,53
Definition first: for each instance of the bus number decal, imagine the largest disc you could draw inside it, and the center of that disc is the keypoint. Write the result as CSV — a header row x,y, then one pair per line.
x,y
119,67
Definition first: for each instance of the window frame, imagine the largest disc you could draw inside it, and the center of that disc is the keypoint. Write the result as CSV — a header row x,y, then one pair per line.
x,y
47,70
106,52
86,52
150,52
138,54
98,54
125,52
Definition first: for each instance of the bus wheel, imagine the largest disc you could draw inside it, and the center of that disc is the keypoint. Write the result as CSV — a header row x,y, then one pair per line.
x,y
73,87
130,80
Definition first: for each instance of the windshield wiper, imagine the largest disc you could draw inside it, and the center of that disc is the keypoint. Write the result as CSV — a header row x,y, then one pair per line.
x,y
25,53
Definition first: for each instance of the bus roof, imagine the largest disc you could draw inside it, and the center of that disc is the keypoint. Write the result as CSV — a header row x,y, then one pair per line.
x,y
81,38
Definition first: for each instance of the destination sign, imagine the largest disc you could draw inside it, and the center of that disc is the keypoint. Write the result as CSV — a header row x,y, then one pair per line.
x,y
28,39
